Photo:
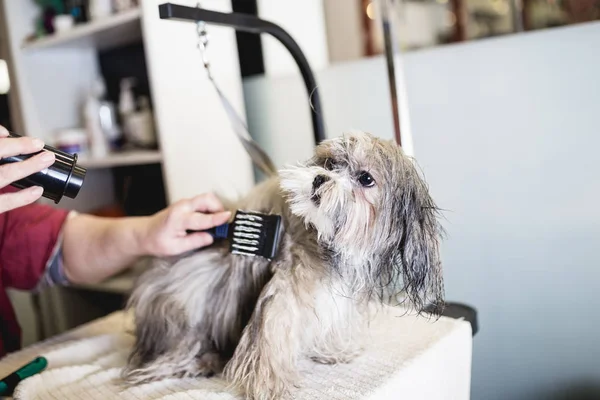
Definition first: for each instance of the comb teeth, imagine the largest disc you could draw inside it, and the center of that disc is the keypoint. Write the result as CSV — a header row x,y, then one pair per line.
x,y
246,233
255,234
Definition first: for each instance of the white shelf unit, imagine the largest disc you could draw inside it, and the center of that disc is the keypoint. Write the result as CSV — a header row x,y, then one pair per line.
x,y
52,75
112,31
131,157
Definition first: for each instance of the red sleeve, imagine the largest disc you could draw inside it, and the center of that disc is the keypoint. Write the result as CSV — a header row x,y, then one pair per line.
x,y
28,236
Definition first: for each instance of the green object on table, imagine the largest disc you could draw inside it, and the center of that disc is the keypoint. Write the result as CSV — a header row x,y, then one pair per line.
x,y
9,383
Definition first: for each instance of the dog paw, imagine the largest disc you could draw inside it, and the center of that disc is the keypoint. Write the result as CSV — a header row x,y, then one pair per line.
x,y
337,358
272,389
210,364
140,376
325,359
260,381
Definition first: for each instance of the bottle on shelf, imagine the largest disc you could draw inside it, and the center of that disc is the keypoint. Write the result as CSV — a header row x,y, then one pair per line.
x,y
78,9
99,145
98,9
108,117
124,5
126,105
140,125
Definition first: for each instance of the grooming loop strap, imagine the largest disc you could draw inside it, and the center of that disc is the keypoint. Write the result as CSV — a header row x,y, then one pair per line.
x,y
258,156
203,44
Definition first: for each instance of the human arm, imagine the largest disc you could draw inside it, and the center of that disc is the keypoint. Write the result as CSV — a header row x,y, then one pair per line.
x,y
40,245
95,248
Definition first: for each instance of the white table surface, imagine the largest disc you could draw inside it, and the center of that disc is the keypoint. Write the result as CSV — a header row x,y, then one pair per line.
x,y
407,358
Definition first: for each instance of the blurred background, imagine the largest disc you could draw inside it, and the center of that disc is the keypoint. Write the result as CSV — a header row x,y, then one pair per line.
x,y
496,99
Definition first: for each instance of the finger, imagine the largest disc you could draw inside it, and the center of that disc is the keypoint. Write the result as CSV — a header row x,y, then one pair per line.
x,y
198,221
194,241
3,132
13,172
17,146
10,201
207,202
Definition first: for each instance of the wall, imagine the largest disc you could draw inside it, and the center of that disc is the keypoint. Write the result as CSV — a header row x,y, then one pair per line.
x,y
354,95
506,131
294,17
344,30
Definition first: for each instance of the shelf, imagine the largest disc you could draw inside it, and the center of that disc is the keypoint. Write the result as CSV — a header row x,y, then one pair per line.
x,y
134,157
118,29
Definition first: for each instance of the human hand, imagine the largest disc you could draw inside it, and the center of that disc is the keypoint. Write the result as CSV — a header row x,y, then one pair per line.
x,y
13,172
165,232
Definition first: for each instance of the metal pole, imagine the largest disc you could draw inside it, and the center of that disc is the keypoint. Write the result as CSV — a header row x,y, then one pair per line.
x,y
396,78
517,14
388,38
460,31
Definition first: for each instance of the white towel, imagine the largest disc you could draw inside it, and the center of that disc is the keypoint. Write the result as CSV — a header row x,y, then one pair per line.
x,y
86,364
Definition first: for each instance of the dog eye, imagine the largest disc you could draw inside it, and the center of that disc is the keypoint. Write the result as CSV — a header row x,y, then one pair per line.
x,y
329,164
366,179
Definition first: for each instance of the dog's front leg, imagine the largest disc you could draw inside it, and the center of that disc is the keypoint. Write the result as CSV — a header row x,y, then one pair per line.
x,y
339,325
264,362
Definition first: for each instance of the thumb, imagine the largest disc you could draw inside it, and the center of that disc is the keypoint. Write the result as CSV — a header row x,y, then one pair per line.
x,y
198,221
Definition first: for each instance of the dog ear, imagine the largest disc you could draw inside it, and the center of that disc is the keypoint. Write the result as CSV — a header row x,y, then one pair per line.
x,y
419,248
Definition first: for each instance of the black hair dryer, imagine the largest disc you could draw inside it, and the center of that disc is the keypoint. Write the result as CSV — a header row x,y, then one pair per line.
x,y
63,178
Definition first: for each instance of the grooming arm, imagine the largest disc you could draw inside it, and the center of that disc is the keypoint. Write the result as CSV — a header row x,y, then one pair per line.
x,y
251,24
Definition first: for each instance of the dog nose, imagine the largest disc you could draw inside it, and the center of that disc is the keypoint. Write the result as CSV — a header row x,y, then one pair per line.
x,y
319,180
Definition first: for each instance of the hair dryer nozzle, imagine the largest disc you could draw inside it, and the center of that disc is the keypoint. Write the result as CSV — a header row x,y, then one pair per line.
x,y
63,178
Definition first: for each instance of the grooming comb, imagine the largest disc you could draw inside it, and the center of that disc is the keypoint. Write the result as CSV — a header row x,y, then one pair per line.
x,y
251,234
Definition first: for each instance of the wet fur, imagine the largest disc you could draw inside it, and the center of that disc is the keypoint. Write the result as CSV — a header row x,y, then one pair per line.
x,y
345,246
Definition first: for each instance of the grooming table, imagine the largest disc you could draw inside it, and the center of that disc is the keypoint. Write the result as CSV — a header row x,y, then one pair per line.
x,y
407,357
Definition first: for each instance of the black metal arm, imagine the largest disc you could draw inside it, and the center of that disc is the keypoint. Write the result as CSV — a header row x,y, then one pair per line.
x,y
251,24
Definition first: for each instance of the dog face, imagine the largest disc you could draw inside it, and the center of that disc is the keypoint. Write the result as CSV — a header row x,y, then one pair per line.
x,y
372,211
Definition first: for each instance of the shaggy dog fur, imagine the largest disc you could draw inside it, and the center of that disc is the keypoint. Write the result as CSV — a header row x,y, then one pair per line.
x,y
359,227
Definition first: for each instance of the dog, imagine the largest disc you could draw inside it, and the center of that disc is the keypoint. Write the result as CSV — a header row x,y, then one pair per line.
x,y
360,228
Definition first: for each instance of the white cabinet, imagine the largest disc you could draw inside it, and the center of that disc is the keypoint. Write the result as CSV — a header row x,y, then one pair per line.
x,y
197,148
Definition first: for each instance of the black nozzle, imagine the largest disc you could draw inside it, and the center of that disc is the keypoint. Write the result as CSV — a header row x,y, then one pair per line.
x,y
63,178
